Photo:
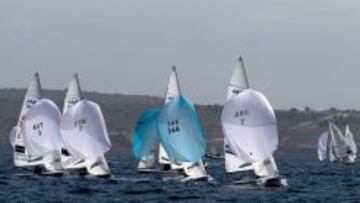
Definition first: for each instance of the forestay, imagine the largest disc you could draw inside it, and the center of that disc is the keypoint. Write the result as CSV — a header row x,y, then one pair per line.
x,y
146,136
83,130
41,128
180,131
250,127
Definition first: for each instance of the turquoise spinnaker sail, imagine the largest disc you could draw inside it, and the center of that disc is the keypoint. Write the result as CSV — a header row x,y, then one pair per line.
x,y
180,131
146,137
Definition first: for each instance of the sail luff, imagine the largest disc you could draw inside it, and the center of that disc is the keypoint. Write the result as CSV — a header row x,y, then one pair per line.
x,y
245,78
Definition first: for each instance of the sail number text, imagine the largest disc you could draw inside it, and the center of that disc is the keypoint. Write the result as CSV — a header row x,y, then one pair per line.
x,y
173,126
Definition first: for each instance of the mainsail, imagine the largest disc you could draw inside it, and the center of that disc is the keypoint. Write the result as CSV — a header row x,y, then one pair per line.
x,y
73,94
239,81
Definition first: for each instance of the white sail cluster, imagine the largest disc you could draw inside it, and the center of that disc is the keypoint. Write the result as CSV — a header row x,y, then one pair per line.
x,y
46,140
337,146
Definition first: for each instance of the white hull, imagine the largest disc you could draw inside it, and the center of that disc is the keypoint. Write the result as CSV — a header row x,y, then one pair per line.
x,y
52,161
147,163
194,170
266,169
97,167
23,160
73,163
234,164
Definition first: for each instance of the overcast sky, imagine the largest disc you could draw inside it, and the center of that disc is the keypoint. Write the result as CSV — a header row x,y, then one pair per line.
x,y
299,53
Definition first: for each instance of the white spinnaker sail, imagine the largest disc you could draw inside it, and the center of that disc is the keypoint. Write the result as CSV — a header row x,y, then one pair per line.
x,y
339,141
41,128
73,95
250,126
238,83
84,131
322,146
350,139
172,92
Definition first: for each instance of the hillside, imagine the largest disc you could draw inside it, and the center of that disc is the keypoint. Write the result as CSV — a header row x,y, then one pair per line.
x,y
298,129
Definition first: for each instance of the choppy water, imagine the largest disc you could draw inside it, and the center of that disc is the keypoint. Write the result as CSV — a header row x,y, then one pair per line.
x,y
308,179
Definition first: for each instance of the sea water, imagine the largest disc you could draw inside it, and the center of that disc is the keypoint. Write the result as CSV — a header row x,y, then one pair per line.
x,y
308,181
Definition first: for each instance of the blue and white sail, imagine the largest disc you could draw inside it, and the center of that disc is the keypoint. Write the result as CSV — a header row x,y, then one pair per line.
x,y
172,92
180,132
146,140
84,133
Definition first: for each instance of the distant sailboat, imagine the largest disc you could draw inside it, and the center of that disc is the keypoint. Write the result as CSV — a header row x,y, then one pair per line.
x,y
349,136
84,133
337,146
35,137
250,130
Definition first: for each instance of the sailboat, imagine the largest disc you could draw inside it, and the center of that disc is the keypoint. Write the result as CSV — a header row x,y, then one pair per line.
x,y
250,130
349,136
173,91
176,130
84,133
36,137
337,146
180,133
